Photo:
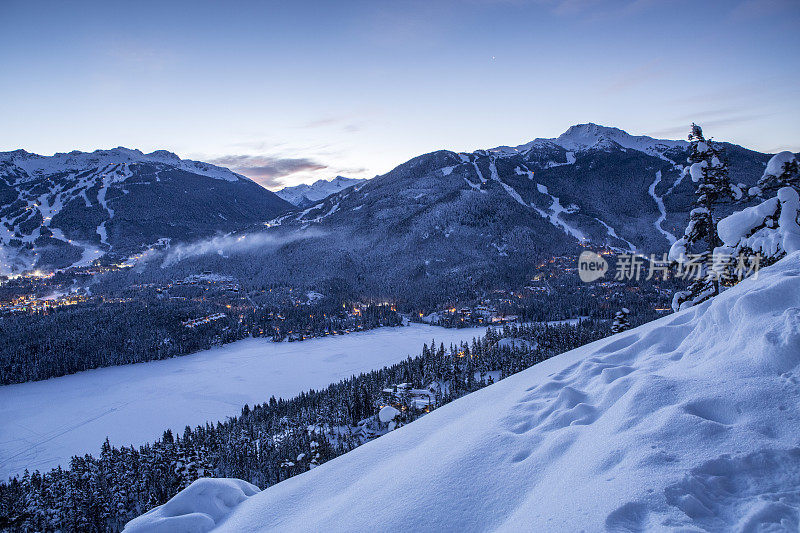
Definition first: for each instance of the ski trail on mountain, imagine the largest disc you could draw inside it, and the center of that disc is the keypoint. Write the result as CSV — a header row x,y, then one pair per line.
x,y
661,209
556,209
612,233
508,188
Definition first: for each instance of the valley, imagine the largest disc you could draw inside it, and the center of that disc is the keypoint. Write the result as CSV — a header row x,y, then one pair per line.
x,y
441,267
45,423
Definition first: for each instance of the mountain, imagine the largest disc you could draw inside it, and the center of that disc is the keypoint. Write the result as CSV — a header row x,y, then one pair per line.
x,y
440,226
306,195
447,223
71,208
686,423
593,184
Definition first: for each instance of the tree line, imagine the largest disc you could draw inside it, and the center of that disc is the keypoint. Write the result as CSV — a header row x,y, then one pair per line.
x,y
269,442
94,335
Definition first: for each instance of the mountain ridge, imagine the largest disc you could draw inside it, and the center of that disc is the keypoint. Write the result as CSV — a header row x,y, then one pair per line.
x,y
305,195
449,224
588,135
72,208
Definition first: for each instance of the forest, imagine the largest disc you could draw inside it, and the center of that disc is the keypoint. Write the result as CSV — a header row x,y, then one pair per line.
x,y
82,337
273,441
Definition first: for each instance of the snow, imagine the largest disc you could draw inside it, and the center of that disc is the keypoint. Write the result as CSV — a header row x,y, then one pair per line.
x,y
612,233
44,423
686,423
776,163
527,172
332,210
695,170
319,190
739,224
387,414
508,188
570,161
42,182
197,508
37,165
588,136
677,252
661,209
747,228
555,218
102,232
478,171
474,186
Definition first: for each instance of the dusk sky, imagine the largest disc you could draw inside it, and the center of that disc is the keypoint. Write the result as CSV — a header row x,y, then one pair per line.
x,y
290,92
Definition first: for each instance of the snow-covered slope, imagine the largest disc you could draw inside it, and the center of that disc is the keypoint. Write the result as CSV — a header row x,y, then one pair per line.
x,y
72,208
36,165
305,195
686,423
485,211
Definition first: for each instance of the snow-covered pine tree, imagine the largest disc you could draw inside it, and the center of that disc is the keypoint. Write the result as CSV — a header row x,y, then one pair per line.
x,y
768,231
621,321
710,171
783,170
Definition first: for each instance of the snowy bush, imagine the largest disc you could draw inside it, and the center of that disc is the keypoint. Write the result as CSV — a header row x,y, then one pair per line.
x,y
769,230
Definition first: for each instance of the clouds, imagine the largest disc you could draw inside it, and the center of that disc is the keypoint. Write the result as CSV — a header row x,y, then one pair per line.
x,y
633,78
580,7
226,244
268,170
749,9
683,130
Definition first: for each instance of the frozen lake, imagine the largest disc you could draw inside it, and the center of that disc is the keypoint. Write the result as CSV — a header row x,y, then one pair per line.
x,y
44,423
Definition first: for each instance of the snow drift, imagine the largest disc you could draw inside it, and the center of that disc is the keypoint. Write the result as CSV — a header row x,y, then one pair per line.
x,y
689,422
196,508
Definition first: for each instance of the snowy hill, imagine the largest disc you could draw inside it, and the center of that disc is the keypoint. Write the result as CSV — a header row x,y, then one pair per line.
x,y
686,423
305,195
72,208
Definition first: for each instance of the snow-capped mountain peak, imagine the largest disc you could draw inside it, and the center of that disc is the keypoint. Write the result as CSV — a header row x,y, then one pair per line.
x,y
61,210
304,195
584,136
594,136
35,165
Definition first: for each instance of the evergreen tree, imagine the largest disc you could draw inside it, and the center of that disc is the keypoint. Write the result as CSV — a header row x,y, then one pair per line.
x,y
760,235
709,170
783,170
621,321
266,443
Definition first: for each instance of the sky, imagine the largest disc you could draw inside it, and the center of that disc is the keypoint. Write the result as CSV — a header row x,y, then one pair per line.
x,y
291,92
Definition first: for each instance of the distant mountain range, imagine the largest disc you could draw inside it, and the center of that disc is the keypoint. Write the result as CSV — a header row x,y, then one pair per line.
x,y
306,195
72,208
441,220
461,220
